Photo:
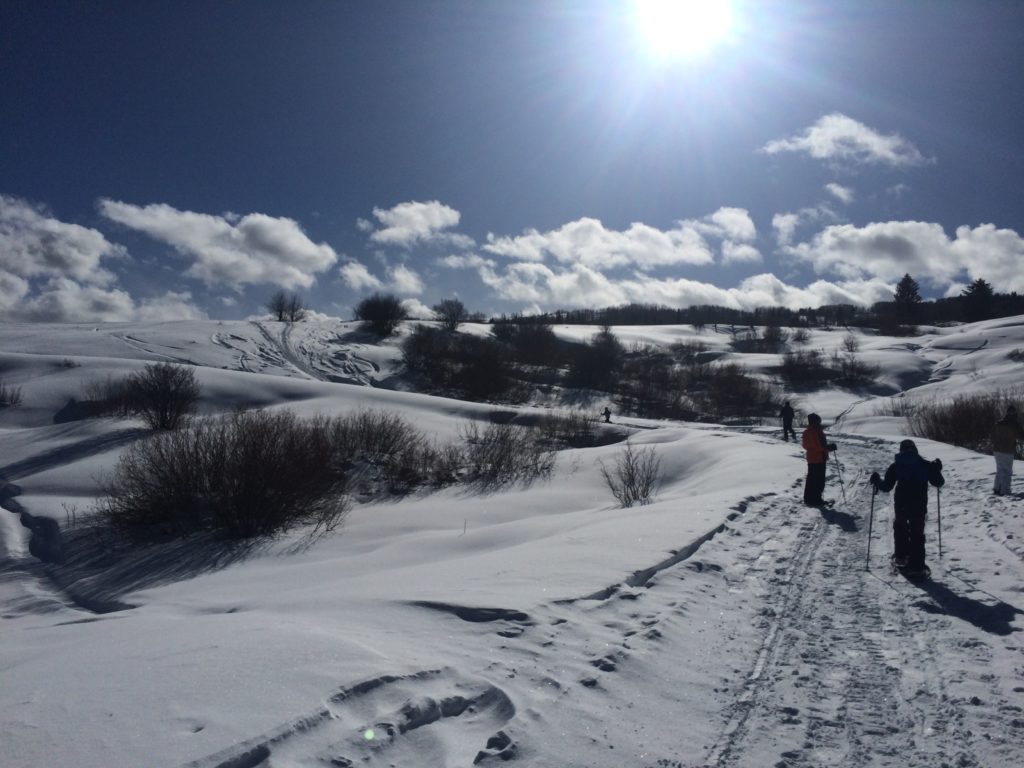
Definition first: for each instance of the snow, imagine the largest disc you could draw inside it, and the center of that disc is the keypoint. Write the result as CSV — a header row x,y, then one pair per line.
x,y
724,624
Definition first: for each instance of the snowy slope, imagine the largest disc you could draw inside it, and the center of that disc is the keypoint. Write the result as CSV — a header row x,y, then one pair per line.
x,y
725,624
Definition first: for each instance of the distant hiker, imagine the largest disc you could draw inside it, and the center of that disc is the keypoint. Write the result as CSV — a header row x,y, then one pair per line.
x,y
910,474
817,447
1005,434
787,414
607,415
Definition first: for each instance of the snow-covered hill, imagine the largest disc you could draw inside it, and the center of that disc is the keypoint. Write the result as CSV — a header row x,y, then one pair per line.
x,y
724,624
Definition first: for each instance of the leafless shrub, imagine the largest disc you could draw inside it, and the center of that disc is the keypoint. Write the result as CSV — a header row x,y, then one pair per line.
x,y
382,313
687,350
162,394
966,420
851,343
247,474
636,476
499,454
728,390
569,429
107,397
774,336
852,369
902,407
10,396
805,366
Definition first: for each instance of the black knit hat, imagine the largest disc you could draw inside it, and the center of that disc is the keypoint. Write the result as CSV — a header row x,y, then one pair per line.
x,y
907,446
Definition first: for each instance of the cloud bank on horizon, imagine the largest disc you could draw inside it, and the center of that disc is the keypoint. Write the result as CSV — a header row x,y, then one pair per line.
x,y
52,270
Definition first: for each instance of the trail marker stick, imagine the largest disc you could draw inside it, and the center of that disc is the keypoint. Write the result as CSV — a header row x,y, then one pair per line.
x,y
871,520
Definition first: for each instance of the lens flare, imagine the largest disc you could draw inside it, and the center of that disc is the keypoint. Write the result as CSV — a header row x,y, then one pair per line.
x,y
683,28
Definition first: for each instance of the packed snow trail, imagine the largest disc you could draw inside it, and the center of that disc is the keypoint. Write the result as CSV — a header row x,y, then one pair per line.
x,y
796,656
860,669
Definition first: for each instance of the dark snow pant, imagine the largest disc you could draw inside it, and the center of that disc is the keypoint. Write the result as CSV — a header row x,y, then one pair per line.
x,y
908,536
815,485
787,430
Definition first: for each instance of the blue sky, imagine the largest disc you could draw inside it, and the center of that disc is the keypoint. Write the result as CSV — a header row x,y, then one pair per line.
x,y
186,159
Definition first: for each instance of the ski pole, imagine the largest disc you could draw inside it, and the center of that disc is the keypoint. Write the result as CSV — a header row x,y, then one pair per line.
x,y
938,507
871,520
839,471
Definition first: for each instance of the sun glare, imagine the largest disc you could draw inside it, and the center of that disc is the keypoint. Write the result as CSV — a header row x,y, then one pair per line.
x,y
683,28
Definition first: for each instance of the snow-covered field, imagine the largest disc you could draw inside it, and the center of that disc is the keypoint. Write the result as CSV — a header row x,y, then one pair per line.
x,y
722,625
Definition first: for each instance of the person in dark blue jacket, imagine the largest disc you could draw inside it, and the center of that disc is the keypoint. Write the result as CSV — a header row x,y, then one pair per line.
x,y
910,474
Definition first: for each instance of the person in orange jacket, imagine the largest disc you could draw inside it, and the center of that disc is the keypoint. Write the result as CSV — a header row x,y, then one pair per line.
x,y
817,447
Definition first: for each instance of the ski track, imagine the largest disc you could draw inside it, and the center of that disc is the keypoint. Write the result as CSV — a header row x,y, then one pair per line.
x,y
855,671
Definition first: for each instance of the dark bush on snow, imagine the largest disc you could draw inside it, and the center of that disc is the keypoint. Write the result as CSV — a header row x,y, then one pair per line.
x,y
161,394
471,367
966,420
531,343
246,474
805,367
597,365
382,313
498,454
9,395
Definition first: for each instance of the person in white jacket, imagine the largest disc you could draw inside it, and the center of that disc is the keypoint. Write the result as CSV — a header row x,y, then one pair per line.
x,y
1005,434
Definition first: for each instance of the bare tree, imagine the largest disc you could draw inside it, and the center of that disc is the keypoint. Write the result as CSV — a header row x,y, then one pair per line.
x,y
451,312
278,305
286,307
296,310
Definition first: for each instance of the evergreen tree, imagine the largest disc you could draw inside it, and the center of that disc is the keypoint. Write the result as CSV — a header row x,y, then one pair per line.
x,y
907,298
978,300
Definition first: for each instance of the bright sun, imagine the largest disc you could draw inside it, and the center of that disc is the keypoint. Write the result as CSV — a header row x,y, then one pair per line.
x,y
683,28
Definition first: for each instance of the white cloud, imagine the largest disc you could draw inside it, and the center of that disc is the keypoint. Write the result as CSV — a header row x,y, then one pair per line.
x,y
411,223
417,310
171,306
464,261
62,300
840,193
739,253
34,244
588,243
995,255
579,286
787,224
230,250
400,279
358,277
839,138
12,290
405,280
888,250
731,224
